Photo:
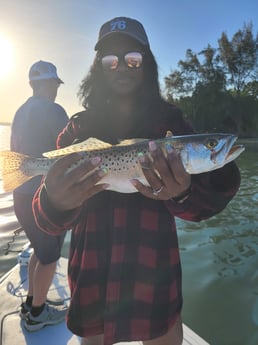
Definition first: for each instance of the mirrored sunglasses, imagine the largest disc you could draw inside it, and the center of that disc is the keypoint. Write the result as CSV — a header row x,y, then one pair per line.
x,y
132,60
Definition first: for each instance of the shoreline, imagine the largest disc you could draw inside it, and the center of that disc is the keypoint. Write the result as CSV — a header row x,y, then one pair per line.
x,y
241,140
248,140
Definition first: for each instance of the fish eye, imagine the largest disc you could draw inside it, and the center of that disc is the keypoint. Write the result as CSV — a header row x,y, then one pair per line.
x,y
212,143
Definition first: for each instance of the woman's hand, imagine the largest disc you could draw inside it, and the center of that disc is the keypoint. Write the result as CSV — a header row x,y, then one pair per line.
x,y
68,190
166,176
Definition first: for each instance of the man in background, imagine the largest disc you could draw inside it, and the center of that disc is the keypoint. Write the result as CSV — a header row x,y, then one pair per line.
x,y
34,130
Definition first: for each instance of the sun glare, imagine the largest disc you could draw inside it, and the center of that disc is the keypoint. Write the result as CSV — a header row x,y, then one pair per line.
x,y
6,57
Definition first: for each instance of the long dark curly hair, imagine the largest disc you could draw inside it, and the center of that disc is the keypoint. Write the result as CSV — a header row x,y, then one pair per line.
x,y
95,95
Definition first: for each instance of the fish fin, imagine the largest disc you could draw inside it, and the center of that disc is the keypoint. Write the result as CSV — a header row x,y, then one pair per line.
x,y
127,142
11,170
91,144
169,134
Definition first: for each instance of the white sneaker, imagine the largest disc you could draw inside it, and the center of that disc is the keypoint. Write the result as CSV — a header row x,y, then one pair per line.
x,y
50,315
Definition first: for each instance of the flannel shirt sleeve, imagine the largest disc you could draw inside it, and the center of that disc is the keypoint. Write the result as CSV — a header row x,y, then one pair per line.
x,y
210,194
50,220
66,137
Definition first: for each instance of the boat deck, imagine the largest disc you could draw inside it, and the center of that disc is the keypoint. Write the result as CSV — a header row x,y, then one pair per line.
x,y
13,291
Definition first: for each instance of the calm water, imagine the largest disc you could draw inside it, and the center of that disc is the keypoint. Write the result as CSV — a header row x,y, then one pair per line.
x,y
219,260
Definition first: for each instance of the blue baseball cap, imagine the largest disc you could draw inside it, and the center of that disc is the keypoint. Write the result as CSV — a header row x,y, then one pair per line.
x,y
43,70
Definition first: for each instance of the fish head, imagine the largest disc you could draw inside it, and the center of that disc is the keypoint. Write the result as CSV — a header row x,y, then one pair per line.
x,y
207,152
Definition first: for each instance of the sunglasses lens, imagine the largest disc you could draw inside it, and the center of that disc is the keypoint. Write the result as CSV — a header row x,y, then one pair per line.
x,y
109,62
133,59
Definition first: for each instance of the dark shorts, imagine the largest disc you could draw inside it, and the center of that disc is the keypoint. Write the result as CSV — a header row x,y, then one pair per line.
x,y
46,247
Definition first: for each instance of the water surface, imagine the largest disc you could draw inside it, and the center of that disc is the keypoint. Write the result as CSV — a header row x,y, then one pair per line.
x,y
219,261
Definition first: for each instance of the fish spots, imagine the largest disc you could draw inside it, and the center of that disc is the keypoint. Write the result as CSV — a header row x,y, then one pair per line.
x,y
122,162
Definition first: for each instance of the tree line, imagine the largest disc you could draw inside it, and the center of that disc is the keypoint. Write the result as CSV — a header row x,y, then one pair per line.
x,y
217,88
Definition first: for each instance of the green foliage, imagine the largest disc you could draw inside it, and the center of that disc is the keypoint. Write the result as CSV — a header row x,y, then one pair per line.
x,y
217,88
239,57
251,89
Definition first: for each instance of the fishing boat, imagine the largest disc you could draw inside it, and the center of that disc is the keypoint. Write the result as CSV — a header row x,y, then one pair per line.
x,y
13,291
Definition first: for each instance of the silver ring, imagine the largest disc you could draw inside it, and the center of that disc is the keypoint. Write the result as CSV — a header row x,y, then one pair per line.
x,y
157,191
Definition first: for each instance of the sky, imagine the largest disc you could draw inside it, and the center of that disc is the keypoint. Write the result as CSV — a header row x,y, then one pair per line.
x,y
64,32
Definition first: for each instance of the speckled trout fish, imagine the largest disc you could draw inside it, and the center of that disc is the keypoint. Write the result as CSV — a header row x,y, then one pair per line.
x,y
199,153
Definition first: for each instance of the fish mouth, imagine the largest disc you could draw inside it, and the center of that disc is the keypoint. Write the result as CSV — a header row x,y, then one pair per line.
x,y
224,149
234,152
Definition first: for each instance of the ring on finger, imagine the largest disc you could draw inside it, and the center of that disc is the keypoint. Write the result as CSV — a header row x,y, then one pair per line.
x,y
156,192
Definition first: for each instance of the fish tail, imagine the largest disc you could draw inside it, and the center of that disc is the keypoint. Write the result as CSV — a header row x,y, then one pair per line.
x,y
12,169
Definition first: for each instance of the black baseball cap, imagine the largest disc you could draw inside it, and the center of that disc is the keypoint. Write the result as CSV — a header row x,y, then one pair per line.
x,y
125,26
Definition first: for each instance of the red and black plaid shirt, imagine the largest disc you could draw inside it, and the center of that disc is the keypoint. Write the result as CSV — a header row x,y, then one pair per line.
x,y
124,264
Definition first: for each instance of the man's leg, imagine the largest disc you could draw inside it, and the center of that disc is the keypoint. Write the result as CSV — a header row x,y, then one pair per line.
x,y
43,276
26,306
31,269
43,314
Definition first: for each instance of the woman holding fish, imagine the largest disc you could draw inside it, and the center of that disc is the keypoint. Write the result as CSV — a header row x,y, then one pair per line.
x,y
124,264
